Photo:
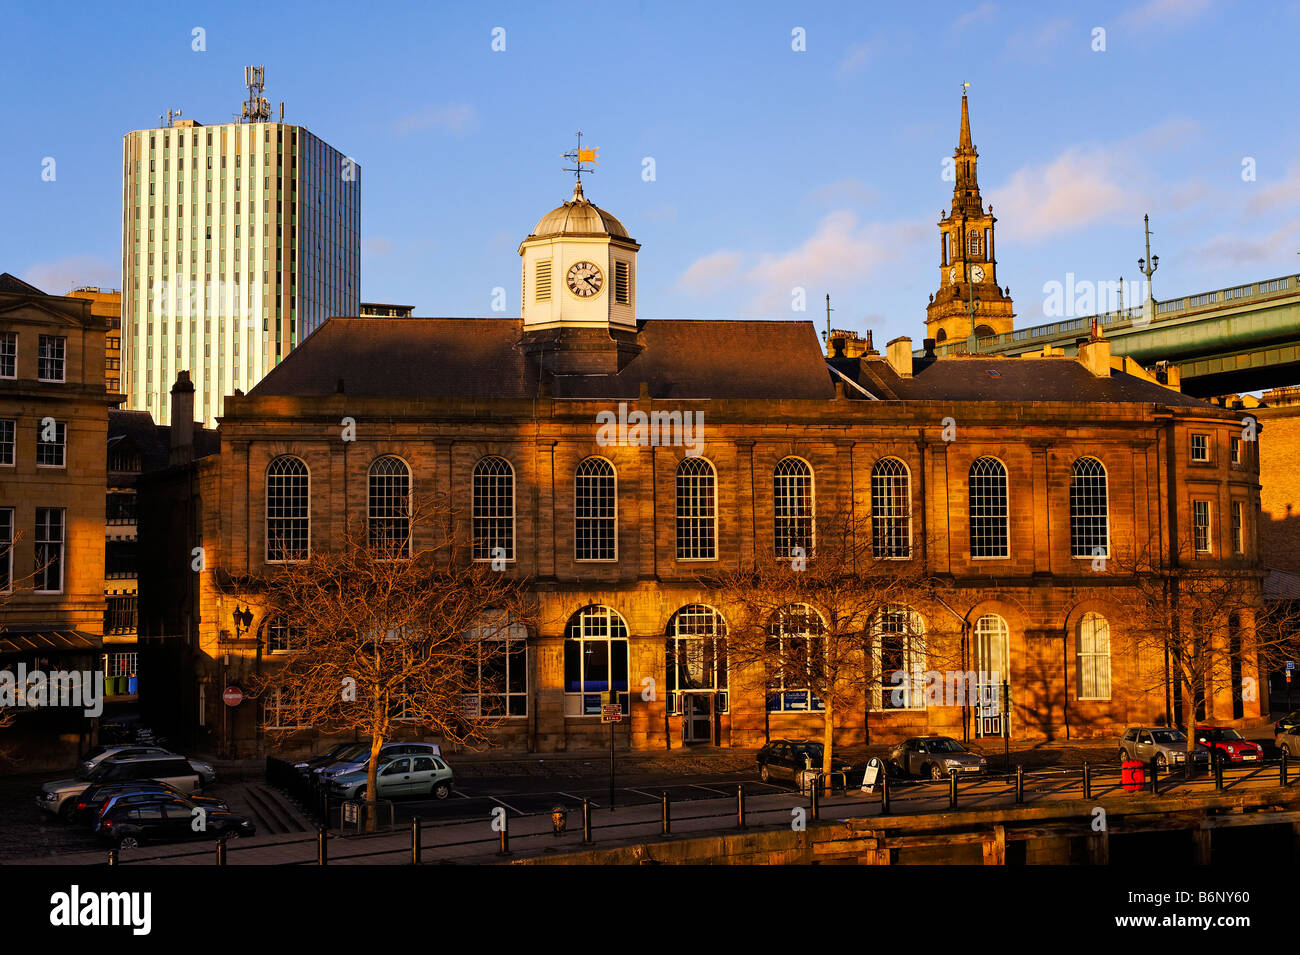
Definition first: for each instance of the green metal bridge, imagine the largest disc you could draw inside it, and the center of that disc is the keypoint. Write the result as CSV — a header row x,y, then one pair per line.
x,y
1243,338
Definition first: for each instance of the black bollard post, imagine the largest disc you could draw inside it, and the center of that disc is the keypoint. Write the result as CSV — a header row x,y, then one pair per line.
x,y
1087,780
740,806
884,793
1217,756
322,846
816,801
112,857
1282,769
221,851
323,808
415,840
952,789
1154,770
668,821
586,820
505,835
1020,783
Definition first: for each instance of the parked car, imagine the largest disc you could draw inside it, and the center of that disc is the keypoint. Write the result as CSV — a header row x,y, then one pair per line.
x,y
89,803
56,797
387,752
1168,746
786,758
934,756
334,754
1289,741
99,754
206,803
1287,722
425,775
1226,740
167,819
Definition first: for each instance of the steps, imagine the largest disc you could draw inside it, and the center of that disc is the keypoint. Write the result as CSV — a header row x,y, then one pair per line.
x,y
271,812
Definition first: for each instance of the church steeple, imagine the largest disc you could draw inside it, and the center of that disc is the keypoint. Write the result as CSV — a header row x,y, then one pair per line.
x,y
967,266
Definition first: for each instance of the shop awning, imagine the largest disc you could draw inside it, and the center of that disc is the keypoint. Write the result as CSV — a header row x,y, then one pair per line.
x,y
45,640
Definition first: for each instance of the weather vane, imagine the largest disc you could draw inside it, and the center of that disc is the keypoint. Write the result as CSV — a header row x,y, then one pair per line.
x,y
578,157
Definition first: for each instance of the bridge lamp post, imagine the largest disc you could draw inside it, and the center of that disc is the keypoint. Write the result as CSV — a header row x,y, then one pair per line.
x,y
1149,270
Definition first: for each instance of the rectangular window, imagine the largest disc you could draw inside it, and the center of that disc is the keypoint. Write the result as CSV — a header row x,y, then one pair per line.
x,y
1201,526
6,549
623,283
50,355
1238,527
1234,448
51,436
1200,447
542,286
8,430
8,354
49,550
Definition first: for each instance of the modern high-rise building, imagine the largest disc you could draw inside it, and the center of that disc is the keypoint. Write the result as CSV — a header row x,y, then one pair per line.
x,y
237,241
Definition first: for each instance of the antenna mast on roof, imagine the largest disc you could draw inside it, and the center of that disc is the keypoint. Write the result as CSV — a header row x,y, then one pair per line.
x,y
257,109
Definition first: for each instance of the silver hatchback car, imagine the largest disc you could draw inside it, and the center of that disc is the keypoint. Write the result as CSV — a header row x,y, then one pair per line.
x,y
1166,745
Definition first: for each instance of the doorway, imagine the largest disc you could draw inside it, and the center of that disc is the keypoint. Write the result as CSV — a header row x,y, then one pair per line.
x,y
697,718
992,668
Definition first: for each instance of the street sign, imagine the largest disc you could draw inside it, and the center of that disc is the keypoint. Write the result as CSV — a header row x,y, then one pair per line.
x,y
232,696
611,713
472,706
872,775
1290,664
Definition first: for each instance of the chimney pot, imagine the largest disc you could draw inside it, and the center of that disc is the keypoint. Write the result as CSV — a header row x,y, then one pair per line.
x,y
899,355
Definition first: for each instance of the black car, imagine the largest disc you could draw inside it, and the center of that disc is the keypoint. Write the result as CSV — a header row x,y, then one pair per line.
x,y
1286,723
85,809
786,758
167,819
334,754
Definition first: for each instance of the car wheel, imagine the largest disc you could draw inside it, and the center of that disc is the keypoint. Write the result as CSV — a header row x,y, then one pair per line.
x,y
764,773
128,842
441,790
66,810
936,772
230,834
1123,755
361,794
894,768
1161,761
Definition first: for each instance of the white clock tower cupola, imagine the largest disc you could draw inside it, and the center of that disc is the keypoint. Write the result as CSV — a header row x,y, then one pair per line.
x,y
579,269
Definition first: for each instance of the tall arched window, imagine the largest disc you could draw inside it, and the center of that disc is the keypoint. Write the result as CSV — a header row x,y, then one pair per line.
x,y
792,507
595,510
796,639
973,242
697,513
988,509
898,652
1094,657
389,507
891,509
992,670
288,509
595,660
497,672
696,659
1089,514
494,509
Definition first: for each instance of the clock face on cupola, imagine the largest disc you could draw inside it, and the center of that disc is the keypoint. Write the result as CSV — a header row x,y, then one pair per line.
x,y
579,263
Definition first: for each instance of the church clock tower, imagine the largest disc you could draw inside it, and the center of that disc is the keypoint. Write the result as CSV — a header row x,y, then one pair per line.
x,y
967,267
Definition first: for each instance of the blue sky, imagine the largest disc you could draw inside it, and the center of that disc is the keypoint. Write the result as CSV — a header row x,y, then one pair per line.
x,y
774,168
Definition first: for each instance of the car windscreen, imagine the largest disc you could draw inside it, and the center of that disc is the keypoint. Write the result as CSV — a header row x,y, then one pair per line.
x,y
945,746
1224,733
1168,736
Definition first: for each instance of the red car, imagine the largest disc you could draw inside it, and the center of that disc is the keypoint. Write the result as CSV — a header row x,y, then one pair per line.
x,y
1233,745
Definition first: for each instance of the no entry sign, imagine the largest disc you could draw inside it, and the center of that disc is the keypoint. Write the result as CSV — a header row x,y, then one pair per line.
x,y
233,696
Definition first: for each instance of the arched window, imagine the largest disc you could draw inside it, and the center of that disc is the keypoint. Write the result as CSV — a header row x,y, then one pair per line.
x,y
281,637
497,671
797,644
891,510
898,652
792,507
992,670
697,650
1089,516
973,242
940,335
389,508
595,511
595,660
494,509
988,509
288,509
697,513
1094,657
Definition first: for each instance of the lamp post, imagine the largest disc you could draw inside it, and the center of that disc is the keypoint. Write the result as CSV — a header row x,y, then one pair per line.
x,y
1149,310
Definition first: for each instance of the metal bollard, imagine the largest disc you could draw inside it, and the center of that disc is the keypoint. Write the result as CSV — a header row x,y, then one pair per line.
x,y
952,789
112,857
1154,770
1282,769
586,820
816,803
322,846
415,840
505,835
1087,780
1218,770
221,851
323,808
884,793
740,806
668,821
1020,783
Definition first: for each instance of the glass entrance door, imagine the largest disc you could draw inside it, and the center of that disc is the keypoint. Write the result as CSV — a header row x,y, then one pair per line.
x,y
992,669
697,717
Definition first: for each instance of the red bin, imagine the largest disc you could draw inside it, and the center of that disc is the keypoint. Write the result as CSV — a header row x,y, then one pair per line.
x,y
1133,775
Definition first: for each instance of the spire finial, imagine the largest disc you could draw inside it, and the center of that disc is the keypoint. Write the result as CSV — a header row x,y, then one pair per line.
x,y
579,156
965,142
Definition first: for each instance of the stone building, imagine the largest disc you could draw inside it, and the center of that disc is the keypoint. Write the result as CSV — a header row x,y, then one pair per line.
x,y
618,461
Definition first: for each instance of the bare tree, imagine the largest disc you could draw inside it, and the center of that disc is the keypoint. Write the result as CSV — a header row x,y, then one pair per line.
x,y
837,623
398,624
1200,629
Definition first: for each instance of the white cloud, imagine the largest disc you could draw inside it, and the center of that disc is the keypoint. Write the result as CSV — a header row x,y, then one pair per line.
x,y
984,11
705,274
859,57
1164,13
1039,41
845,192
62,275
1233,250
378,245
456,119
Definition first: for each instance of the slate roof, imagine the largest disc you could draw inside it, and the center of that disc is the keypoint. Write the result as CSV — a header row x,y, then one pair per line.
x,y
153,441
482,358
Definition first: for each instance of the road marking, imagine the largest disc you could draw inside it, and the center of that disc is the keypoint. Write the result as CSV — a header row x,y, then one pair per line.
x,y
507,805
559,792
718,792
642,793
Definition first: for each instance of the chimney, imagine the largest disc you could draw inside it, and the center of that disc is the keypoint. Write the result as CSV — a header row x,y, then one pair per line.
x,y
928,344
182,429
899,355
847,344
1094,354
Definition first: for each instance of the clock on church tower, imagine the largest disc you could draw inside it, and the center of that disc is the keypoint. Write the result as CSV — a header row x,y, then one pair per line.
x,y
967,266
